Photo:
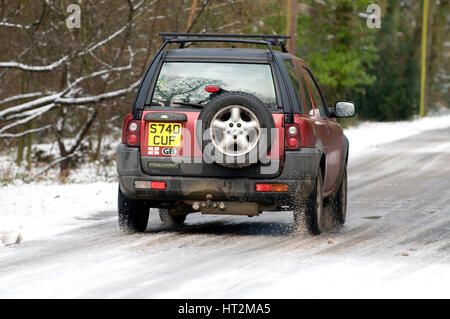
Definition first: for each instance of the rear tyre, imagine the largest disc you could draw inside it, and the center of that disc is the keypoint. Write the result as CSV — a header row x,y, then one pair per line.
x,y
133,214
313,209
169,219
338,203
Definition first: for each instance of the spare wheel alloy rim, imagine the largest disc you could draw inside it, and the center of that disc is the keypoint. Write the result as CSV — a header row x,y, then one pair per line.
x,y
235,130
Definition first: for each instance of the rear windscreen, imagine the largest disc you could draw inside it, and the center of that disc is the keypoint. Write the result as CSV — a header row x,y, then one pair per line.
x,y
185,82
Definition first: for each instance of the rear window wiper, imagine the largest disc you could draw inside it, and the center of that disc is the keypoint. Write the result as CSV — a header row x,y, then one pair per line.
x,y
188,104
167,103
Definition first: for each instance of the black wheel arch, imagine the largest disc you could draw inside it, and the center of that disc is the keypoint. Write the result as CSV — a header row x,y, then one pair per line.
x,y
344,161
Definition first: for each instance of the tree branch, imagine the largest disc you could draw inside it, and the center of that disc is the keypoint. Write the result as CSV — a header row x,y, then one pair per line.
x,y
26,132
66,58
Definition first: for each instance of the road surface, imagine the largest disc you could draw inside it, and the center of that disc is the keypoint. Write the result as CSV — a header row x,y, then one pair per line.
x,y
396,243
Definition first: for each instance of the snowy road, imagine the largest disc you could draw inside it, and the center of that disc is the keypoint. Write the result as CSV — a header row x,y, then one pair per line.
x,y
396,243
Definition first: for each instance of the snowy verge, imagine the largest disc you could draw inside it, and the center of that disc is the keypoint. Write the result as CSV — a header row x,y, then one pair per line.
x,y
102,170
369,135
38,211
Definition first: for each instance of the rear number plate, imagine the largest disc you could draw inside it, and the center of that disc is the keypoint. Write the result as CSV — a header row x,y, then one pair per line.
x,y
164,134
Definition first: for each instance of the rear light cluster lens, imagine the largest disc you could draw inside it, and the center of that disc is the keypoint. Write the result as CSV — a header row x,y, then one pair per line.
x,y
271,187
293,137
131,131
132,127
150,185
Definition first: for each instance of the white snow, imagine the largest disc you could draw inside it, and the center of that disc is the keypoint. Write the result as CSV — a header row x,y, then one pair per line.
x,y
369,135
322,277
198,263
38,211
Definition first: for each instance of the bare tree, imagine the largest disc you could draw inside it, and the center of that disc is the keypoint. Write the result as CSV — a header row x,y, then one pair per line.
x,y
82,71
63,85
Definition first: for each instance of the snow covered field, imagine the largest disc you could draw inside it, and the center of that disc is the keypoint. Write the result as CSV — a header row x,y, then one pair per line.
x,y
403,253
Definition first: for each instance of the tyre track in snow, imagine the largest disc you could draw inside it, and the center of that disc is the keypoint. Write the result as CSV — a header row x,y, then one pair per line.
x,y
405,183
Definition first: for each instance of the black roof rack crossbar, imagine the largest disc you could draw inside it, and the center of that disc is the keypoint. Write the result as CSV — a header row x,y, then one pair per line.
x,y
280,40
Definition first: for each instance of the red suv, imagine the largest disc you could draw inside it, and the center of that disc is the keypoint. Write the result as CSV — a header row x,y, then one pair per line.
x,y
231,131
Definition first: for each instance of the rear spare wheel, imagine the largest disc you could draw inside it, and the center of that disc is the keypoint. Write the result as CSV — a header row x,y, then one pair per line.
x,y
235,130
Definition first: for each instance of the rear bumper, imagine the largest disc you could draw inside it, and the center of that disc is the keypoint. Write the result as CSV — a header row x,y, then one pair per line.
x,y
299,173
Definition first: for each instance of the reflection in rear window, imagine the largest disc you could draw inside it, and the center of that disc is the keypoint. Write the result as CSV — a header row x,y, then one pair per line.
x,y
185,82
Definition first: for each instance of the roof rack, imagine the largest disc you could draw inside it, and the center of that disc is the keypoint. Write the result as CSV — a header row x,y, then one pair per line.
x,y
183,38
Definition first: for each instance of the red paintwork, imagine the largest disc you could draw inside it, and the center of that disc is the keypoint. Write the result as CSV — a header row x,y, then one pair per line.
x,y
189,146
315,131
323,130
312,131
126,120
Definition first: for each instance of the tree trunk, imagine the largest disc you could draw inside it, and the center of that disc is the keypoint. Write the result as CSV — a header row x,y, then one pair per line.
x,y
190,21
100,135
20,148
22,140
29,139
291,28
437,35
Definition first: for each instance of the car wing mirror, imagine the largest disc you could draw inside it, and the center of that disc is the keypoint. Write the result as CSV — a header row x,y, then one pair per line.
x,y
343,109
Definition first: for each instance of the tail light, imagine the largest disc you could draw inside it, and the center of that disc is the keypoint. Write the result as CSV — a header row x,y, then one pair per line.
x,y
160,185
271,187
292,137
131,131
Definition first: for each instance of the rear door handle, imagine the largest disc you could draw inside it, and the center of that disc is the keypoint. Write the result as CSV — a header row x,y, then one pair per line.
x,y
165,117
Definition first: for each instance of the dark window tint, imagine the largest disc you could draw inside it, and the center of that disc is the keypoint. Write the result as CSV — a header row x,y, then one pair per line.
x,y
315,92
294,79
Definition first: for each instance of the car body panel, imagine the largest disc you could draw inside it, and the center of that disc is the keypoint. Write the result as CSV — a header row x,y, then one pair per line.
x,y
322,139
190,157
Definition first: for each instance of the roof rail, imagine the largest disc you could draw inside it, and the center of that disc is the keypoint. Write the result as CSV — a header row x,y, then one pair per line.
x,y
182,38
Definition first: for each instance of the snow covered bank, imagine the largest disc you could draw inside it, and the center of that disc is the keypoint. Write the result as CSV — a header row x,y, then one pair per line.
x,y
38,211
368,135
102,170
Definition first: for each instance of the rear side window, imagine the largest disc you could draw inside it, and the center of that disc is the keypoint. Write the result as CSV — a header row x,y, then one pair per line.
x,y
315,92
186,82
294,79
308,105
